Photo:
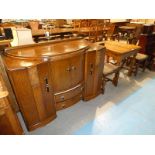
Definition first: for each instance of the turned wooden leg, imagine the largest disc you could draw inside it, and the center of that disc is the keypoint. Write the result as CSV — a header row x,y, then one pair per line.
x,y
115,79
133,61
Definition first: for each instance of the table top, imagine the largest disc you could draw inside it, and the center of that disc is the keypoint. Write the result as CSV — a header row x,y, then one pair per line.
x,y
127,27
64,30
53,31
87,29
120,48
47,49
5,42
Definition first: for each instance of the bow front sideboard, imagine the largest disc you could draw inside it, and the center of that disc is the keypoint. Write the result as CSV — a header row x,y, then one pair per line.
x,y
47,77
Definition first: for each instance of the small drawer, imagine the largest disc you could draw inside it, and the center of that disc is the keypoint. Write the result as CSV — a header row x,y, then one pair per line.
x,y
68,103
68,94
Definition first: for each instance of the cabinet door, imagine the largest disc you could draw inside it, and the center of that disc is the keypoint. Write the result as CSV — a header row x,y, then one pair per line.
x,y
89,75
33,90
61,75
77,69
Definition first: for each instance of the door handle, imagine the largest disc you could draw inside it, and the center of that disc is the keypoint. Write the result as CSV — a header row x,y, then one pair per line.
x,y
47,85
73,68
91,68
68,69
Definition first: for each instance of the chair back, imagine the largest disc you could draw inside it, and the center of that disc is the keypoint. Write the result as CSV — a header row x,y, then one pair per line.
x,y
34,25
111,29
60,22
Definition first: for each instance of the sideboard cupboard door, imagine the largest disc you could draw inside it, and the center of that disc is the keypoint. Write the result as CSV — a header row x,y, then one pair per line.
x,y
61,75
33,90
77,67
46,89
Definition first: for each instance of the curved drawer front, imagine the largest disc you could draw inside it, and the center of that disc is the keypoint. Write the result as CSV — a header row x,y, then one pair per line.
x,y
68,94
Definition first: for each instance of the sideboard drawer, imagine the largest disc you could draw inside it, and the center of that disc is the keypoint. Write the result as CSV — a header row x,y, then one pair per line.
x,y
68,94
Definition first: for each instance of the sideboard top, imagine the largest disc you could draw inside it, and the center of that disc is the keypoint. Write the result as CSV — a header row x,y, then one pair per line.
x,y
47,50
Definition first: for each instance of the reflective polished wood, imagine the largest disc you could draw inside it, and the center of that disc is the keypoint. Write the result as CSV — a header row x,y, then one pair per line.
x,y
51,76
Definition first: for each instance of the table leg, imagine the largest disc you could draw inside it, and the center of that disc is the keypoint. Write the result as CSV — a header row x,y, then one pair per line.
x,y
131,67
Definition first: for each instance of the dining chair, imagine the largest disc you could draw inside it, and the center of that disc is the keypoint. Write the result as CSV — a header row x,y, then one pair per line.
x,y
110,73
34,25
111,33
141,59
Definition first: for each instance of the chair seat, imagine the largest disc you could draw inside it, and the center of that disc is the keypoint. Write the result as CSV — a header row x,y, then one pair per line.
x,y
141,57
109,68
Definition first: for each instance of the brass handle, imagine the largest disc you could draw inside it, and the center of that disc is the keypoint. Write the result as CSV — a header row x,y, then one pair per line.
x,y
91,72
68,69
47,85
91,68
73,68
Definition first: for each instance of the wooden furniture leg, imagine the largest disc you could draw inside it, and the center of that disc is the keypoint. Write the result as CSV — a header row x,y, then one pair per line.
x,y
131,67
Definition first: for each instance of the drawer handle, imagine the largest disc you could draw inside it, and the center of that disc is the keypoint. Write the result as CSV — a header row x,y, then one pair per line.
x,y
47,85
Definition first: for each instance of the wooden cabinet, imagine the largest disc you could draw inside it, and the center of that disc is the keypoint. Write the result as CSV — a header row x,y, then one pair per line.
x,y
9,123
33,90
147,42
47,77
93,72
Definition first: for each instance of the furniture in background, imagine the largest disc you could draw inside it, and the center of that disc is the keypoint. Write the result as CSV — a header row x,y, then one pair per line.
x,y
147,42
56,31
34,25
121,52
21,36
141,61
8,33
4,44
9,123
53,75
127,31
148,28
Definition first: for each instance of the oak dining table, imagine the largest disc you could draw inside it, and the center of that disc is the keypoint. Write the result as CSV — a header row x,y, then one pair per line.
x,y
120,52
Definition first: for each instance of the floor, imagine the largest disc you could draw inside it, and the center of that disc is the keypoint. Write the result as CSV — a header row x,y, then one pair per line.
x,y
126,109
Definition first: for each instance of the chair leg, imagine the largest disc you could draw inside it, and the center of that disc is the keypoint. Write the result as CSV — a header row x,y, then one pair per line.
x,y
103,85
136,68
115,79
144,65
